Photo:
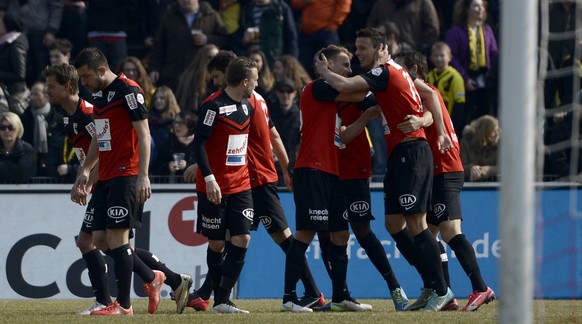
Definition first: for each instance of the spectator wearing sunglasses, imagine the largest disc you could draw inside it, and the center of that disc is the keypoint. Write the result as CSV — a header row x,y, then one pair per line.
x,y
16,156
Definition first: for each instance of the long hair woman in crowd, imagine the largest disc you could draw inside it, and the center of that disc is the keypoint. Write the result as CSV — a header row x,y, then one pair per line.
x,y
133,68
194,82
164,109
287,66
266,77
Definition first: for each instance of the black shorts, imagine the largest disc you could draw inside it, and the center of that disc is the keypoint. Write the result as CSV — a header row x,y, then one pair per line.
x,y
357,197
87,225
268,209
234,213
408,180
115,204
446,198
319,202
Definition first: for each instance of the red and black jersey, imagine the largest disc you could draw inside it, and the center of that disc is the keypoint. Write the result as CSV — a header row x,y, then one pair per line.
x,y
355,159
451,161
224,123
115,108
397,97
320,127
80,129
261,163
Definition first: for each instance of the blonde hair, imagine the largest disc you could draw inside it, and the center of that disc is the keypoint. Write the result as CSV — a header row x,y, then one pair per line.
x,y
14,121
483,126
172,109
441,46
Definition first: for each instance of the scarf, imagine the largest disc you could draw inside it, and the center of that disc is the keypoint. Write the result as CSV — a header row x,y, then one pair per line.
x,y
476,48
40,128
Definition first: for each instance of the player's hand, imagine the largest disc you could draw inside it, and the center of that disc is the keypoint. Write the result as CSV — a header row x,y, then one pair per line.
x,y
79,190
444,143
213,192
143,189
321,64
190,173
288,181
410,124
373,112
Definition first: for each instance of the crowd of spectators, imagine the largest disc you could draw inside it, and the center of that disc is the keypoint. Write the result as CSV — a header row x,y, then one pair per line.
x,y
165,45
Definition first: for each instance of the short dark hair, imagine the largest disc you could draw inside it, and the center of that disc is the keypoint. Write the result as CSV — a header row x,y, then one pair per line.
x,y
64,46
63,73
220,61
238,70
92,57
412,58
376,36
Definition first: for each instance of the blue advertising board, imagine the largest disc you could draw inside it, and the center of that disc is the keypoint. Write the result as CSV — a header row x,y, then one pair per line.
x,y
558,251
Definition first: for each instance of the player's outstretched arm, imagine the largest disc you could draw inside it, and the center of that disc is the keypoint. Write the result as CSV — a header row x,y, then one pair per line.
x,y
348,133
281,155
431,100
338,82
413,123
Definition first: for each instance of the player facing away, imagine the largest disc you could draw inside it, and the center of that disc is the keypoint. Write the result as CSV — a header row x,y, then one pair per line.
x,y
446,215
408,180
263,175
222,181
354,173
317,188
122,146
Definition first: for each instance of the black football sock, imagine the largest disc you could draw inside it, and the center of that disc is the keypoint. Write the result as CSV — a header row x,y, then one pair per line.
x,y
405,244
123,268
324,244
172,279
98,275
311,288
428,254
445,263
294,266
233,264
214,260
339,269
375,251
466,256
142,270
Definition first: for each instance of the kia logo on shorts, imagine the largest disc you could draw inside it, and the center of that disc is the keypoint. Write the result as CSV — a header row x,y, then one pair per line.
x,y
267,221
439,210
359,207
407,200
117,212
248,213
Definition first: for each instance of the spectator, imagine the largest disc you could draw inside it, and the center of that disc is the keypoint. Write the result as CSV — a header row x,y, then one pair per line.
x,y
16,156
479,147
184,30
392,32
74,24
43,128
13,52
41,20
268,25
417,20
288,66
473,47
194,82
133,68
559,148
320,21
285,116
449,82
165,109
177,153
107,25
266,77
152,11
60,51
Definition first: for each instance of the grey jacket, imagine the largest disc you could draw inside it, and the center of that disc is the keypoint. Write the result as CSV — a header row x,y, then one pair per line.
x,y
38,16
